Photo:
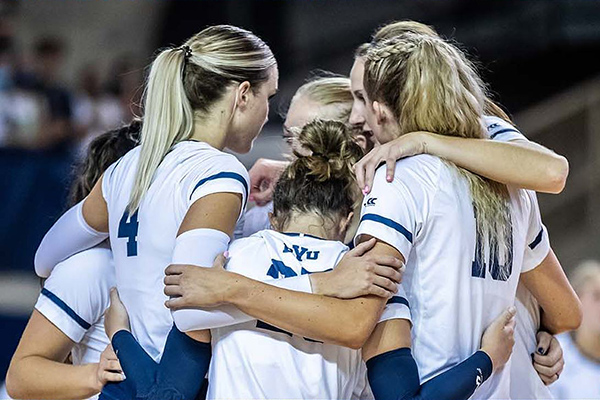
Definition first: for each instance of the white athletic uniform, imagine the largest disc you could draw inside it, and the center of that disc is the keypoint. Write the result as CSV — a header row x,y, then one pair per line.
x,y
426,213
74,299
257,219
580,378
143,244
525,381
255,360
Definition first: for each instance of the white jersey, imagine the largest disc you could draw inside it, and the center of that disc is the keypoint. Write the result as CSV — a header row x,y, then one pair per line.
x,y
255,360
525,383
257,219
74,300
426,213
143,243
580,378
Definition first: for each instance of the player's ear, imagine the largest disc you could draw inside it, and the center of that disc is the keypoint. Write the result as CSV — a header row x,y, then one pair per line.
x,y
381,112
274,222
345,224
242,95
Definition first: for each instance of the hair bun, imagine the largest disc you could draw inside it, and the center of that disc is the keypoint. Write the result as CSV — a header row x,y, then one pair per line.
x,y
332,147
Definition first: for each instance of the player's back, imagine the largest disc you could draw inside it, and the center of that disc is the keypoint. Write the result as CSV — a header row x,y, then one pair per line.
x,y
255,360
454,293
143,243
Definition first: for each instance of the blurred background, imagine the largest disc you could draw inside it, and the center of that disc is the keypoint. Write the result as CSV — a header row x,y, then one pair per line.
x,y
72,69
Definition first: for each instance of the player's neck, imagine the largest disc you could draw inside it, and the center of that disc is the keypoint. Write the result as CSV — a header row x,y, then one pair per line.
x,y
588,342
211,129
311,224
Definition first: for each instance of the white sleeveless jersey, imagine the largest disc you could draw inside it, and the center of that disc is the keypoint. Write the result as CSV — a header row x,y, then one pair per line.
x,y
255,360
74,300
143,243
426,213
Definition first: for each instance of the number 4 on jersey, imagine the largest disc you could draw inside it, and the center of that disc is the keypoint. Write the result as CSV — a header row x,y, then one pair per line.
x,y
128,228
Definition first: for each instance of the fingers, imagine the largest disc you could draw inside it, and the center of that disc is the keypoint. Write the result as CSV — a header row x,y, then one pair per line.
x,y
262,197
553,356
363,247
386,284
388,261
380,292
549,372
109,353
174,269
114,297
107,376
359,171
389,273
220,260
543,342
173,291
390,164
113,365
172,280
508,316
370,169
176,303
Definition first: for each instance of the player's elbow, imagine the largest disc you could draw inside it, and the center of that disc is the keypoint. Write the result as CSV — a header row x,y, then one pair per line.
x,y
568,321
16,386
356,335
573,320
557,174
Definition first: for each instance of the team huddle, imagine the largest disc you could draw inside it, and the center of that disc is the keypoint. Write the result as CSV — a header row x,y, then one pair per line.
x,y
398,254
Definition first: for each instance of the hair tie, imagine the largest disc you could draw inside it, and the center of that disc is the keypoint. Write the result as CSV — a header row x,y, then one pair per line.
x,y
187,51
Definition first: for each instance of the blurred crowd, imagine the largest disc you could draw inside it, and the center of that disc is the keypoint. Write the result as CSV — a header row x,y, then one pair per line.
x,y
39,111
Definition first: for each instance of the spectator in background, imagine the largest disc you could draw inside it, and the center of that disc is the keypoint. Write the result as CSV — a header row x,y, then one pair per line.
x,y
95,111
40,113
55,132
125,84
580,378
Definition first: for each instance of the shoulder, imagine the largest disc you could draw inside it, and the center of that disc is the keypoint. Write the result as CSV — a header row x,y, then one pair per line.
x,y
501,130
422,169
249,248
90,268
207,163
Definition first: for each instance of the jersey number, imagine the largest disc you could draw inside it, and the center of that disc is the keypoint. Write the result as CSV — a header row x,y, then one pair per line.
x,y
499,272
128,228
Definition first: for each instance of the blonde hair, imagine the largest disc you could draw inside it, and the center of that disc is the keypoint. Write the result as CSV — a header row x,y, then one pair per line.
x,y
430,86
184,82
397,28
329,90
322,182
584,273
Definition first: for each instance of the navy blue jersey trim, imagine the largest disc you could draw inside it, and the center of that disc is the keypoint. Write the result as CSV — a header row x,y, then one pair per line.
x,y
224,175
537,240
504,131
68,310
301,234
392,224
398,300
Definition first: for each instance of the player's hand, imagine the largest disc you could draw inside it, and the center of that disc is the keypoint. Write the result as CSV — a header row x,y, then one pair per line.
x,y
499,338
190,286
548,359
264,175
108,370
358,275
406,145
116,317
